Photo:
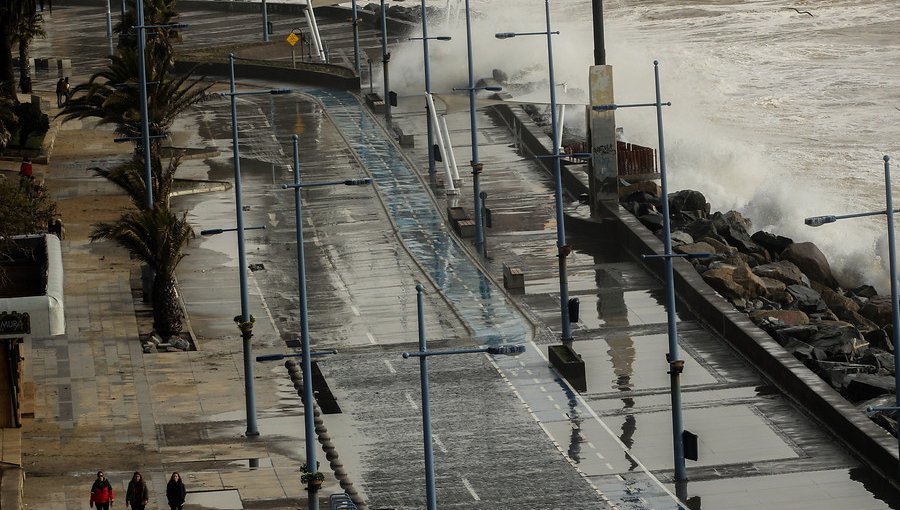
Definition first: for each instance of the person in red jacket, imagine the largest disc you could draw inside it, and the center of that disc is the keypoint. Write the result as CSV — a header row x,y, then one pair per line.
x,y
102,493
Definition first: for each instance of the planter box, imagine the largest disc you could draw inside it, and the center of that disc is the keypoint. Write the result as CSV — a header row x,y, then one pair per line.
x,y
569,364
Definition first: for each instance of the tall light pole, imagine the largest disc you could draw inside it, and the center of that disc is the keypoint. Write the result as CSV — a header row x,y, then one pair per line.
x,y
673,358
428,113
889,212
145,126
427,436
428,123
477,166
676,364
265,19
245,323
355,20
308,403
385,61
563,249
109,20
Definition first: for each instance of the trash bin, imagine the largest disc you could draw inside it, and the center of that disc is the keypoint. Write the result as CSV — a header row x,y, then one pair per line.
x,y
270,27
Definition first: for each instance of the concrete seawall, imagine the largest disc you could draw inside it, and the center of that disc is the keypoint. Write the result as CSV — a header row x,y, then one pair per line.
x,y
867,440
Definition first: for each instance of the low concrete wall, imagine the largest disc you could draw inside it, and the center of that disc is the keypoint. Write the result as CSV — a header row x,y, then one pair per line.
x,y
870,442
318,76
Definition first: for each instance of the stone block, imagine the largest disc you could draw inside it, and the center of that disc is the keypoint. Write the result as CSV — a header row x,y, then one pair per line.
x,y
63,63
513,277
466,228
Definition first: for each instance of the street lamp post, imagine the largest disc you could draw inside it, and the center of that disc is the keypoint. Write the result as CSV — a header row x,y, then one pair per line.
x,y
673,358
477,166
245,323
142,84
385,61
428,438
145,126
563,249
355,20
889,212
265,19
108,19
308,404
428,112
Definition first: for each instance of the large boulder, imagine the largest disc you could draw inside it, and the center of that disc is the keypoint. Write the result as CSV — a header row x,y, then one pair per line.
x,y
868,386
784,271
751,283
811,261
647,188
688,200
772,242
694,248
789,318
807,299
878,310
842,306
722,280
733,227
702,229
838,338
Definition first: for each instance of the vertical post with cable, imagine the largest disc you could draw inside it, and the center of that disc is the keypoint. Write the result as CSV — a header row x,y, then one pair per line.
x,y
246,320
308,402
430,490
145,122
676,364
477,166
563,249
385,61
429,126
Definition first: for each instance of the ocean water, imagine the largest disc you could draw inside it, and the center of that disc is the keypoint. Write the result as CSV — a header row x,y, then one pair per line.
x,y
776,114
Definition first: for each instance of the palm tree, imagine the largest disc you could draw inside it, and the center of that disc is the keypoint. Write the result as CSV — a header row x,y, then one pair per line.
x,y
112,96
156,13
129,177
157,238
29,27
11,13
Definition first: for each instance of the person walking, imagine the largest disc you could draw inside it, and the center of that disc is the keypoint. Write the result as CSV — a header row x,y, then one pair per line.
x,y
67,89
60,90
137,494
102,493
175,492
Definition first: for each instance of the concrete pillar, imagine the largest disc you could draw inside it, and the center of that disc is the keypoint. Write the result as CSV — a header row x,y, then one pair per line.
x,y
604,168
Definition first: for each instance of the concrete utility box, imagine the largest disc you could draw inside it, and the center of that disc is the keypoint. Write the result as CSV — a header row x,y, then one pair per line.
x,y
63,63
513,278
466,228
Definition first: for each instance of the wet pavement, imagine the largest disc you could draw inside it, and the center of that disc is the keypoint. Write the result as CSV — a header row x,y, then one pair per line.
x,y
508,432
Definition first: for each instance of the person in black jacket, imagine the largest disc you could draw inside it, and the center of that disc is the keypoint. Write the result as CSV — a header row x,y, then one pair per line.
x,y
175,492
137,494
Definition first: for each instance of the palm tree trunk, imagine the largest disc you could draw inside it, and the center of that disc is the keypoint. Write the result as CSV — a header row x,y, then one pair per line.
x,y
167,314
7,77
25,66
